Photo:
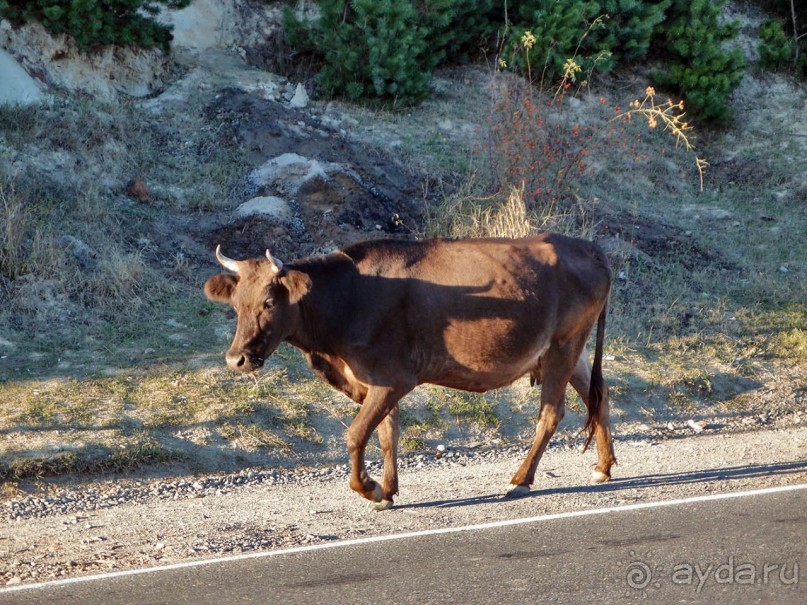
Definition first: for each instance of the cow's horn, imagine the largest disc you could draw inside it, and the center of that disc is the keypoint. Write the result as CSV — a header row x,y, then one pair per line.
x,y
227,263
276,262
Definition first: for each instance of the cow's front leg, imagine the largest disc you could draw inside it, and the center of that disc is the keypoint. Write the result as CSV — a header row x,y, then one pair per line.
x,y
379,402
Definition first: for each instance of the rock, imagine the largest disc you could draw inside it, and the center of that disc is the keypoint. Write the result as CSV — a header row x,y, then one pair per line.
x,y
203,24
300,97
290,171
105,73
697,426
18,87
270,206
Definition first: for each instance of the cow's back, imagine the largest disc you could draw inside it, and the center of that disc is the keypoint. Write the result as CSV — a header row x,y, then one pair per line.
x,y
474,314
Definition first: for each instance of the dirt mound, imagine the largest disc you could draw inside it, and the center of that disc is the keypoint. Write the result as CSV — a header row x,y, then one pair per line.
x,y
370,194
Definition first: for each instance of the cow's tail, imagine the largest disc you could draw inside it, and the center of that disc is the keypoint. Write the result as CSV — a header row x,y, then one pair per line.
x,y
598,391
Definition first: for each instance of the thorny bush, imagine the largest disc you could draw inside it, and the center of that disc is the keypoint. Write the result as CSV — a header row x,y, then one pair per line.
x,y
544,143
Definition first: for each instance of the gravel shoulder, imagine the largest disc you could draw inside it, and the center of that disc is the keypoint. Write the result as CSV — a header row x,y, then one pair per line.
x,y
86,528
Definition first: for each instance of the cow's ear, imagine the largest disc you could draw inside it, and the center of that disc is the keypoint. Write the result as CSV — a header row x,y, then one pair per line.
x,y
297,283
220,287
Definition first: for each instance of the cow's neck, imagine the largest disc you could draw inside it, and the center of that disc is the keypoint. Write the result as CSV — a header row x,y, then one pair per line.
x,y
324,312
316,327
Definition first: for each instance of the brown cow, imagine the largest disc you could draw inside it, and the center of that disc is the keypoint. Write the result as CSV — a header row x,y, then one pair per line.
x,y
378,318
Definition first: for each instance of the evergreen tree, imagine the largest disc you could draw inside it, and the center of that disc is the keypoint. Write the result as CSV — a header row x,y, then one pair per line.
x,y
699,66
386,49
628,29
93,23
775,47
557,29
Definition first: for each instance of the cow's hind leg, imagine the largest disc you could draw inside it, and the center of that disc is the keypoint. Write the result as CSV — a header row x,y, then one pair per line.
x,y
581,379
555,374
378,403
388,434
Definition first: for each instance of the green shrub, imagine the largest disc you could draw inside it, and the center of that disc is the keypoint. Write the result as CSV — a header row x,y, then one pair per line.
x,y
629,28
387,49
698,65
604,32
556,29
775,48
368,49
93,23
453,28
792,14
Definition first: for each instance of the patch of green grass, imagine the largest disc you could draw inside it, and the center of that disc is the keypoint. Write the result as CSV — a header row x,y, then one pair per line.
x,y
410,443
471,408
790,344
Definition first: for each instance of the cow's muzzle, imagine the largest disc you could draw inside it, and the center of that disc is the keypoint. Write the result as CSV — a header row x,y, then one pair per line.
x,y
240,361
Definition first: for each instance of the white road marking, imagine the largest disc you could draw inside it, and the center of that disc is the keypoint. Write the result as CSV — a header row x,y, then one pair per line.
x,y
406,535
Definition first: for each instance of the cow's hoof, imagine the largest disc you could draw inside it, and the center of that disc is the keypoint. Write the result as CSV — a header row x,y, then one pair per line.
x,y
599,477
378,494
381,505
519,491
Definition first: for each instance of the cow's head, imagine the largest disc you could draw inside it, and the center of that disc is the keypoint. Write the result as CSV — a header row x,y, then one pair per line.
x,y
264,294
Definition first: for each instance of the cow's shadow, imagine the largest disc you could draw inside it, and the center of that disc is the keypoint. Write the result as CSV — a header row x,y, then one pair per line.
x,y
749,471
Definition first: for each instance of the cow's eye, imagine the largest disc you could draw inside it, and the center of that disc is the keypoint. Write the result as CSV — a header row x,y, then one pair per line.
x,y
268,303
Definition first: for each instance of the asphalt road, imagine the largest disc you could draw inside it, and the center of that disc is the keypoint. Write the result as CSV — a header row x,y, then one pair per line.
x,y
747,549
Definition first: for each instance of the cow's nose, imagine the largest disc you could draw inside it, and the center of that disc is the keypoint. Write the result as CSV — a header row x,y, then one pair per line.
x,y
236,361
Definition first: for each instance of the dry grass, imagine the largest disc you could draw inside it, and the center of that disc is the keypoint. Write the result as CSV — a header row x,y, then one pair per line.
x,y
500,215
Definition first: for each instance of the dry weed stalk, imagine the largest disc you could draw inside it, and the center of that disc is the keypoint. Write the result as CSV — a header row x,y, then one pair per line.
x,y
673,122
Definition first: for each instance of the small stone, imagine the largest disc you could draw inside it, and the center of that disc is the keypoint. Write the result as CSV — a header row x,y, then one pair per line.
x,y
784,269
697,426
270,206
14,581
300,98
